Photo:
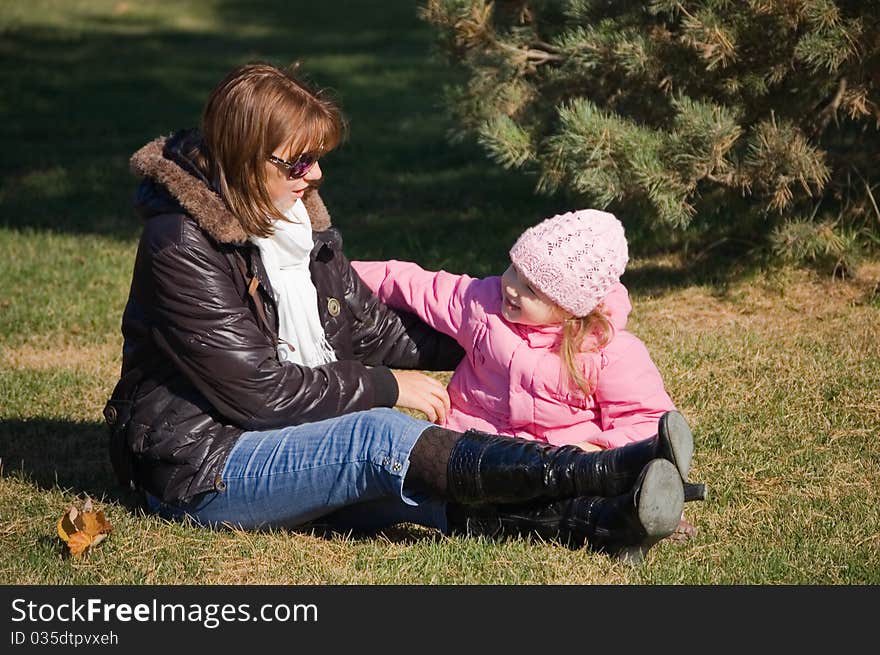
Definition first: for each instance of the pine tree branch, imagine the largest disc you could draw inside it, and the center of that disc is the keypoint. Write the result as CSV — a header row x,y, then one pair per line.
x,y
549,47
830,110
720,242
873,202
869,191
670,104
532,55
726,180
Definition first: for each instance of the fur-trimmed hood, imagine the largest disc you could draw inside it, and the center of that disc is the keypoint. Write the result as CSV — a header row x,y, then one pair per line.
x,y
165,162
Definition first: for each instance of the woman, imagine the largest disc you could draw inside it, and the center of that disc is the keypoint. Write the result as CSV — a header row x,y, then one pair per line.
x,y
256,380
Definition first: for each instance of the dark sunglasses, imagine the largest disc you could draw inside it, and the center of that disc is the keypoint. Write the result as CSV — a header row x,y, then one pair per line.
x,y
299,166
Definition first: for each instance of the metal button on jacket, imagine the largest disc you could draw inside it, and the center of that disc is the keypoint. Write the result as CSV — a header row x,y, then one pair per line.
x,y
110,414
333,306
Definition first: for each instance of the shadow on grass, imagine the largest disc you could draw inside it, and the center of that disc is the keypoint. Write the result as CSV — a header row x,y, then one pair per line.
x,y
58,454
72,456
85,99
402,534
89,95
657,279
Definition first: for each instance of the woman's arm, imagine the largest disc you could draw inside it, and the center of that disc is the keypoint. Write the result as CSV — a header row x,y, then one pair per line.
x,y
204,327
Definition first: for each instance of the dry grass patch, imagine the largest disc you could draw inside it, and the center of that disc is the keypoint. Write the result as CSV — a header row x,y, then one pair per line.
x,y
100,359
776,301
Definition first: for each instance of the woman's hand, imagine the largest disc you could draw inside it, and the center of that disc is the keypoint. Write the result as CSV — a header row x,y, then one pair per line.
x,y
419,391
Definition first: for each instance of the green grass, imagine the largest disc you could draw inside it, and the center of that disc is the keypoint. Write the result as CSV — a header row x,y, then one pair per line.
x,y
776,372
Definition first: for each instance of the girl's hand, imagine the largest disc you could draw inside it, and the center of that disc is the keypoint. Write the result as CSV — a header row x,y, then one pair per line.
x,y
419,391
586,445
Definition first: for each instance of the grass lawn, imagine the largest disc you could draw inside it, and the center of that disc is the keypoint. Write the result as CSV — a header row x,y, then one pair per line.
x,y
777,372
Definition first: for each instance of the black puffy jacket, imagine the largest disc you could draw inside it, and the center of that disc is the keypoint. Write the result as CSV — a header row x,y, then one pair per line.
x,y
199,361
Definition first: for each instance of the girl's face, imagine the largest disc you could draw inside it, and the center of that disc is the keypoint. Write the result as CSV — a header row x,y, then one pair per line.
x,y
283,191
522,304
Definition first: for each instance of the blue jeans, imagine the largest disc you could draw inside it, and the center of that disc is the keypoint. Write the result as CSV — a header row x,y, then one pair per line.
x,y
346,471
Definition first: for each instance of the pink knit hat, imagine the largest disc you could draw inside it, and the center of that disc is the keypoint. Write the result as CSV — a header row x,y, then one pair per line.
x,y
573,258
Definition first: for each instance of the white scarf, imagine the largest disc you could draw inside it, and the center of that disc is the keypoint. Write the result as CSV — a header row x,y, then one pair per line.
x,y
286,259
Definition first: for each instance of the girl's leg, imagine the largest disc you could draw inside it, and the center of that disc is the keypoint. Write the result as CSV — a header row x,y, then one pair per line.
x,y
486,468
290,476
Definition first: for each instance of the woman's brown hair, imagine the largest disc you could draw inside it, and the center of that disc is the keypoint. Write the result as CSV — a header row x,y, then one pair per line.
x,y
256,109
585,334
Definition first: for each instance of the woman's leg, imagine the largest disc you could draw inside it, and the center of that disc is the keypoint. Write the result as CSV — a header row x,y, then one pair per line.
x,y
290,476
375,515
625,526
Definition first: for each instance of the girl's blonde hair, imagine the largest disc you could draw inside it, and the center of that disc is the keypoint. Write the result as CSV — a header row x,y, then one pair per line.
x,y
255,110
585,334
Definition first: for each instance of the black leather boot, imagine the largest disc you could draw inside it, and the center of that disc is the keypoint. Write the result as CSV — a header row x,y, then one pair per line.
x,y
625,526
491,469
619,467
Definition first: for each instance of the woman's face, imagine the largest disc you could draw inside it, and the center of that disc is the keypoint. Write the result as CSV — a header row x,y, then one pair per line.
x,y
522,304
284,192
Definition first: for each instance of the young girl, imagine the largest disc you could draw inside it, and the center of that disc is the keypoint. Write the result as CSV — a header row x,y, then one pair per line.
x,y
548,353
548,356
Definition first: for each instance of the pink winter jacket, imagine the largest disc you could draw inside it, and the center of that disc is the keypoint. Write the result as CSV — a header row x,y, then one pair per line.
x,y
512,381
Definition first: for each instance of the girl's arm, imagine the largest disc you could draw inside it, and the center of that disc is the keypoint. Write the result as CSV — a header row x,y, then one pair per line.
x,y
436,298
383,335
630,394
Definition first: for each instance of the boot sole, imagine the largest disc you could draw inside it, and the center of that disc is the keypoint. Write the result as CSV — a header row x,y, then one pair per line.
x,y
660,503
661,499
676,433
